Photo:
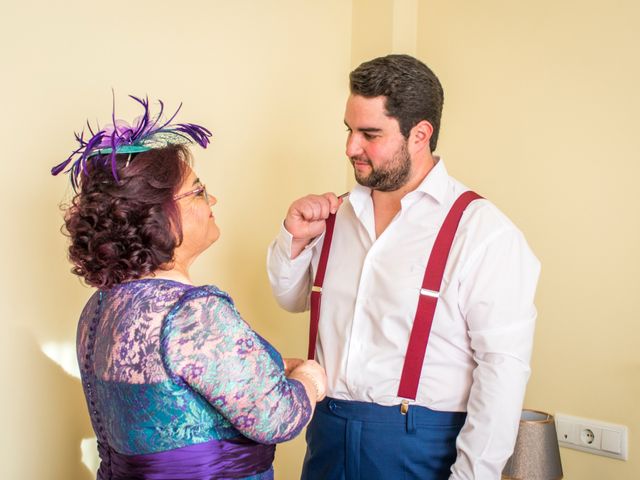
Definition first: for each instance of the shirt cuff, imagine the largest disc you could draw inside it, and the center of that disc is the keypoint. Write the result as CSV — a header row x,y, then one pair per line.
x,y
285,240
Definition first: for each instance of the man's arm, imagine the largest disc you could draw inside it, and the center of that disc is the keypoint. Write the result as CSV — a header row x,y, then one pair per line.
x,y
496,297
290,279
290,257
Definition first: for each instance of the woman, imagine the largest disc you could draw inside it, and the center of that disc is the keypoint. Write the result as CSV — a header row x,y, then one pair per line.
x,y
177,384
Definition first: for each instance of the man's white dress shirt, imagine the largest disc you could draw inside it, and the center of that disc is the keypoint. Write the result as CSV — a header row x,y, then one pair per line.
x,y
477,359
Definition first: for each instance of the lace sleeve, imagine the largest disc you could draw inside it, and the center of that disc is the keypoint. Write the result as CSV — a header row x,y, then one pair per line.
x,y
213,350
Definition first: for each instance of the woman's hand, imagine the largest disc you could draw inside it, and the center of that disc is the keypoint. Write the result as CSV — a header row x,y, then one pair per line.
x,y
290,364
313,377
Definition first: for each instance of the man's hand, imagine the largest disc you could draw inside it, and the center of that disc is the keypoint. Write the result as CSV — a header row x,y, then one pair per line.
x,y
306,217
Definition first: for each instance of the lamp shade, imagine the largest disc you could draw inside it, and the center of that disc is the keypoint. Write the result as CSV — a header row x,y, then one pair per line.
x,y
536,455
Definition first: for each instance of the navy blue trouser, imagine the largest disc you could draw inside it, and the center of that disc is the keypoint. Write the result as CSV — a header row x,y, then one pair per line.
x,y
357,440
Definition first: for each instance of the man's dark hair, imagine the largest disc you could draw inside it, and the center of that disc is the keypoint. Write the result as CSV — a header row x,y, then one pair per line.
x,y
413,92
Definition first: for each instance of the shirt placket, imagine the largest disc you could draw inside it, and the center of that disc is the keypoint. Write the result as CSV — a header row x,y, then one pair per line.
x,y
360,331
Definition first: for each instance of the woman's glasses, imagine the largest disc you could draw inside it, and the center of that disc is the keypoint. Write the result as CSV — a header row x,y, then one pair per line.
x,y
201,189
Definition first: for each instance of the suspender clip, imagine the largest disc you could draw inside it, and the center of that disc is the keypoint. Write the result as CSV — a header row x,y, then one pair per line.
x,y
316,288
429,293
404,407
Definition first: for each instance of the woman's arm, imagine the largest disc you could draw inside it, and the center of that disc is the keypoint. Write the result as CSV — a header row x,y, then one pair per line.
x,y
211,348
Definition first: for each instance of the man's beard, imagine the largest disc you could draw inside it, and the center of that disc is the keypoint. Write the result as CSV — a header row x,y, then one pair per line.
x,y
389,177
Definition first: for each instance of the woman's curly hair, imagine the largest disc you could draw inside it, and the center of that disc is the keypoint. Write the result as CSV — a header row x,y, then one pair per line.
x,y
126,229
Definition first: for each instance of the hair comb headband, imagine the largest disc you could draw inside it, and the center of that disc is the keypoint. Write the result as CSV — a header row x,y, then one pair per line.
x,y
145,134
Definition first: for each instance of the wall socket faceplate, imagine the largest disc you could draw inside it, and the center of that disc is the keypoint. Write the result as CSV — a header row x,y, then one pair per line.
x,y
593,436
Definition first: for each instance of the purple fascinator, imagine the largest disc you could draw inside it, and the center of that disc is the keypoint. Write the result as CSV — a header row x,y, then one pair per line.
x,y
146,133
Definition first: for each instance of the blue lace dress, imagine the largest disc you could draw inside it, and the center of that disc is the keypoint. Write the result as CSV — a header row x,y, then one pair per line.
x,y
179,386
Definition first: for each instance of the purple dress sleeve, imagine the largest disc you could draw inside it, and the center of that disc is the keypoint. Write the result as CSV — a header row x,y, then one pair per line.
x,y
215,352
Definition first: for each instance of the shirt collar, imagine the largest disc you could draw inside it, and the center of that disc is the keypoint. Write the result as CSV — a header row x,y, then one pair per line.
x,y
359,198
434,184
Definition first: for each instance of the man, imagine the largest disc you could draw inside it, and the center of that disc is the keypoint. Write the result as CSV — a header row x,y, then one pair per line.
x,y
458,417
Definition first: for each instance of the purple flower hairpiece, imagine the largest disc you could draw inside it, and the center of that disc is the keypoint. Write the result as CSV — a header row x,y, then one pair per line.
x,y
145,134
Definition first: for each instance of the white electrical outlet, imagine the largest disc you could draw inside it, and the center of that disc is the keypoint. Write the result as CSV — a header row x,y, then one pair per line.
x,y
593,436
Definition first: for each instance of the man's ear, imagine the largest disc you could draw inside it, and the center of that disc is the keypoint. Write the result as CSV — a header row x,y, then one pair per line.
x,y
420,135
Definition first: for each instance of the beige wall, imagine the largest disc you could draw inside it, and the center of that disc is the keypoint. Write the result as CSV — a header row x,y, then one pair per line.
x,y
267,77
539,117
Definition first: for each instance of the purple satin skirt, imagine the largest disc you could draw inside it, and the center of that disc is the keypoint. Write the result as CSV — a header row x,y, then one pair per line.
x,y
217,459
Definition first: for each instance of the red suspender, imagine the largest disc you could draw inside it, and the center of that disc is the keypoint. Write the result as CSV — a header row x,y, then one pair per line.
x,y
427,302
316,290
429,294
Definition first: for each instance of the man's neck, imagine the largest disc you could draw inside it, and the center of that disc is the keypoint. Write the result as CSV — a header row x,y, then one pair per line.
x,y
391,200
386,205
